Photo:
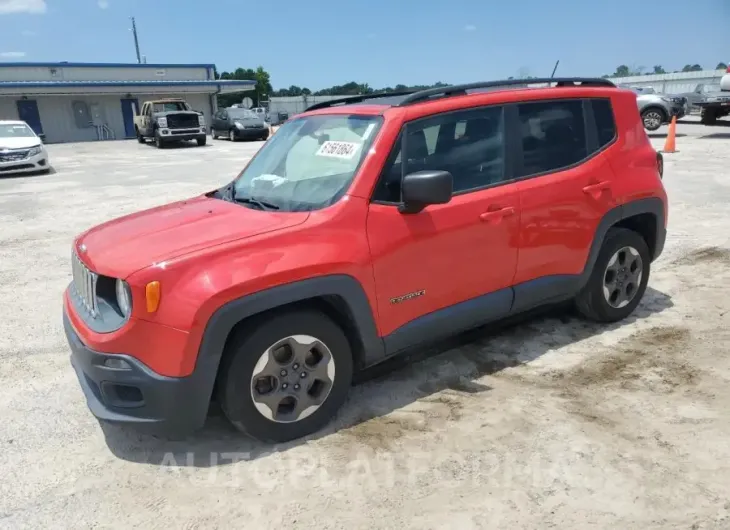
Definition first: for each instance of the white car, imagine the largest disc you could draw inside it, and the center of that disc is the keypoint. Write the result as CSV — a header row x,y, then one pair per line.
x,y
21,150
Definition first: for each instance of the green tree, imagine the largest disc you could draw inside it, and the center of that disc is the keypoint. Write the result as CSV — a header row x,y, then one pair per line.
x,y
658,69
692,68
721,66
622,71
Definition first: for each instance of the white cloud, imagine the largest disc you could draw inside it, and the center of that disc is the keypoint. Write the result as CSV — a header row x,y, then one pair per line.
x,y
8,7
12,55
470,27
28,33
103,4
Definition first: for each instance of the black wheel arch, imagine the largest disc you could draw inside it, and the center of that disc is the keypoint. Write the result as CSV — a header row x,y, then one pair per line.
x,y
340,297
644,216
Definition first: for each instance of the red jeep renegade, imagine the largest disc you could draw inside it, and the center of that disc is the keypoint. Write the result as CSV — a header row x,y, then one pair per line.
x,y
365,227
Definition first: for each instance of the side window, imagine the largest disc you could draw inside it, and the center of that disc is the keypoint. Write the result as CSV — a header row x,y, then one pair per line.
x,y
468,144
553,135
605,125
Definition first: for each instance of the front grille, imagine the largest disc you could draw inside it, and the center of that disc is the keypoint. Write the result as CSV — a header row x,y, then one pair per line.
x,y
84,281
182,121
17,167
12,155
248,126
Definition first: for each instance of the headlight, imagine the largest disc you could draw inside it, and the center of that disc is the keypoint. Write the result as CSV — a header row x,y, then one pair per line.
x,y
34,150
239,125
201,120
668,100
124,298
162,122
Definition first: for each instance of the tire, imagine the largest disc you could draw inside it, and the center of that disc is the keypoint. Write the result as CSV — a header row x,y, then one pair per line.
x,y
213,135
201,141
236,388
265,137
159,142
653,118
232,135
140,138
592,302
708,117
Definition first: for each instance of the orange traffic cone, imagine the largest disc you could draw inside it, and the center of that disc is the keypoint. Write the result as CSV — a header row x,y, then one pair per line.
x,y
670,146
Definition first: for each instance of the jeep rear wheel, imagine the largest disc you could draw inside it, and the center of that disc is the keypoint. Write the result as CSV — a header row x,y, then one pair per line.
x,y
286,377
619,277
653,118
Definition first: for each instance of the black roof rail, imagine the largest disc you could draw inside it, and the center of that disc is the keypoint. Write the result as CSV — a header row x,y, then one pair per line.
x,y
460,90
358,99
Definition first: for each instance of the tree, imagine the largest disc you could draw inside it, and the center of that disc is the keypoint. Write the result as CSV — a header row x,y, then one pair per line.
x,y
721,66
691,68
622,71
658,69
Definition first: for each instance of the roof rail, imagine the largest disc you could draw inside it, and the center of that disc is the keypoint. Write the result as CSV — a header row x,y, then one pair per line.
x,y
460,90
358,99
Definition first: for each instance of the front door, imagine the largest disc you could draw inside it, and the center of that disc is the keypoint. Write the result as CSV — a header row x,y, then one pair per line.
x,y
566,190
129,109
450,266
28,112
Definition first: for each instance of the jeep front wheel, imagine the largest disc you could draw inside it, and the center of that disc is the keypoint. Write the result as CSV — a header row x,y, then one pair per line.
x,y
619,277
286,377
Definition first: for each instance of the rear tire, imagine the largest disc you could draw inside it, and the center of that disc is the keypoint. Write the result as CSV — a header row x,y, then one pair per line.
x,y
708,116
251,356
140,138
598,301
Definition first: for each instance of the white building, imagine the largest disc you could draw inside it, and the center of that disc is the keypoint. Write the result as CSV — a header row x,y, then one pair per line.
x,y
675,83
76,102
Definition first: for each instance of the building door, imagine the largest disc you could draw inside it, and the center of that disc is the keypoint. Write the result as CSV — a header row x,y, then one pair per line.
x,y
129,109
28,112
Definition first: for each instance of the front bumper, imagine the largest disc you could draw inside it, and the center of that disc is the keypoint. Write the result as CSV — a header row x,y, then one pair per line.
x,y
136,396
248,134
678,110
182,134
30,164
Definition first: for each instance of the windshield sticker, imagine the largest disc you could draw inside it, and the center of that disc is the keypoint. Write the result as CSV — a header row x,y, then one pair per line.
x,y
368,131
336,149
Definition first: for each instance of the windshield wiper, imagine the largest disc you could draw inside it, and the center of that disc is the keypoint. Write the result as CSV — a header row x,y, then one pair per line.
x,y
263,205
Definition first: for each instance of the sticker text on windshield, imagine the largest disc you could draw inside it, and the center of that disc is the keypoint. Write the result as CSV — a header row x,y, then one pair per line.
x,y
337,149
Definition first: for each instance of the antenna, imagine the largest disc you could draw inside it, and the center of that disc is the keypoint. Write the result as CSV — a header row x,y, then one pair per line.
x,y
136,41
556,67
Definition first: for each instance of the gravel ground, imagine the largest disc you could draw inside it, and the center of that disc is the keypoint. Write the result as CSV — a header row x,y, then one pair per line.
x,y
552,423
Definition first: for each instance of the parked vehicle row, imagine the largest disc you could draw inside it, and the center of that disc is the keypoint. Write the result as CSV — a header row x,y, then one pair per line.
x,y
364,228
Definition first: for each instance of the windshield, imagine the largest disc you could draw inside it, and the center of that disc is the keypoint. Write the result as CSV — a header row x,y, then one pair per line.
x,y
15,130
309,163
240,114
170,106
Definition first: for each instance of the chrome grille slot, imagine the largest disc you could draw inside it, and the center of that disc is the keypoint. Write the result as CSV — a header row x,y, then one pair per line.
x,y
84,282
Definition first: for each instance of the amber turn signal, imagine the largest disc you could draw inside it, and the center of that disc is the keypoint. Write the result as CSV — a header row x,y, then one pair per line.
x,y
152,292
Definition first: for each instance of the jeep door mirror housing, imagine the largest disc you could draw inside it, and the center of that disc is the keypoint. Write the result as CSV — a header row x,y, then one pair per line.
x,y
422,188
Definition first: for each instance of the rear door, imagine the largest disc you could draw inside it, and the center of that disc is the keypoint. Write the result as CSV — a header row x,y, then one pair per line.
x,y
433,269
566,188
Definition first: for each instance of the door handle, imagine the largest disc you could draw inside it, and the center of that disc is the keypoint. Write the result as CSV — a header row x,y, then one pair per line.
x,y
594,189
497,215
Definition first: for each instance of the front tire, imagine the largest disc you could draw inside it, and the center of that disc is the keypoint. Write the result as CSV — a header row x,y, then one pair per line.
x,y
159,142
261,388
201,141
213,135
619,278
653,118
232,135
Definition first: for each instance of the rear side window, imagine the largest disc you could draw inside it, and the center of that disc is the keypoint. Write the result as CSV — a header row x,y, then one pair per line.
x,y
553,135
605,124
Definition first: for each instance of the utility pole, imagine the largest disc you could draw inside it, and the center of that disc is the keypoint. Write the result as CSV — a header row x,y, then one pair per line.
x,y
136,41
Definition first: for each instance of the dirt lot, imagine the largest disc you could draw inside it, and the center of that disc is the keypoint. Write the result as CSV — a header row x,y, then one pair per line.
x,y
554,423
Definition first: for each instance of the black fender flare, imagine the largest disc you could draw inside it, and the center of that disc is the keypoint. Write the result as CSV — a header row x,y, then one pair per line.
x,y
652,205
225,318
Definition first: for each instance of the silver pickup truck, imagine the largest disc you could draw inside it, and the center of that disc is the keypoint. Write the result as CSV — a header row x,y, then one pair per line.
x,y
716,105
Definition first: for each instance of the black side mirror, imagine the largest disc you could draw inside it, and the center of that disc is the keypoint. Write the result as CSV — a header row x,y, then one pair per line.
x,y
426,187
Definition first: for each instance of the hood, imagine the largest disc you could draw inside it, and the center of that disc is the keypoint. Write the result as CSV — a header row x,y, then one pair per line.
x,y
123,246
22,142
250,121
168,112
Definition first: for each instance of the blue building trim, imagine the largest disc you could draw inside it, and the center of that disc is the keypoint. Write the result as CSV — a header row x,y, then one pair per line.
x,y
85,84
102,65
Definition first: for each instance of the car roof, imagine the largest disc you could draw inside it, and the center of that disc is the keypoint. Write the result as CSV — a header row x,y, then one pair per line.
x,y
378,103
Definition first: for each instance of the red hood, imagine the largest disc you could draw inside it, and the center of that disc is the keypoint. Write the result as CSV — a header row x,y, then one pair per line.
x,y
125,245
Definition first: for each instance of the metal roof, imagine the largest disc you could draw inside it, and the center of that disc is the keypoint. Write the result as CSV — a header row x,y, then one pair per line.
x,y
101,65
86,84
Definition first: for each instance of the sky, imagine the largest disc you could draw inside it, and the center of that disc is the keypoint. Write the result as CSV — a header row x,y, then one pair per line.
x,y
320,43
